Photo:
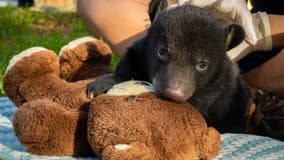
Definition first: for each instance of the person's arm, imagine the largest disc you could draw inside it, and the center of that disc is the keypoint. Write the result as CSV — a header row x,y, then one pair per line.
x,y
277,30
118,22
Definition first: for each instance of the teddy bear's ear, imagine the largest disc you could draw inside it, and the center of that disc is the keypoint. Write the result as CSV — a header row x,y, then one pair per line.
x,y
234,35
155,7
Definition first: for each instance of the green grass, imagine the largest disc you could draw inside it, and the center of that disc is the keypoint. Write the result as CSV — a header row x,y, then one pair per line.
x,y
22,28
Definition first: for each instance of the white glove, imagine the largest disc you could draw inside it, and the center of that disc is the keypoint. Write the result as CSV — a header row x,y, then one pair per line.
x,y
264,42
230,11
256,26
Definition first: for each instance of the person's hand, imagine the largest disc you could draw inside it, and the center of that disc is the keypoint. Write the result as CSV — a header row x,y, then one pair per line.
x,y
264,42
230,11
256,26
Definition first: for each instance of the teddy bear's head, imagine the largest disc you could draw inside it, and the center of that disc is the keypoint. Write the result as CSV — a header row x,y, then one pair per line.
x,y
128,124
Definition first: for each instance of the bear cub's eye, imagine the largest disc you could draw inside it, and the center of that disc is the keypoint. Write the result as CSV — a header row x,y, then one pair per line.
x,y
163,54
202,66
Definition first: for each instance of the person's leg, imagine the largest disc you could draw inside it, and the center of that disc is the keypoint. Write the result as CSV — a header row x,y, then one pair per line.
x,y
268,76
118,22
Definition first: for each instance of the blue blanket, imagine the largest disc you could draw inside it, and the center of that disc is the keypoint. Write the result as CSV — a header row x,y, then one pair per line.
x,y
234,146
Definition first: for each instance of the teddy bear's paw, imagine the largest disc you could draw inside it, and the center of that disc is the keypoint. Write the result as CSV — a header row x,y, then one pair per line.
x,y
132,151
30,63
23,54
211,144
28,126
84,58
47,128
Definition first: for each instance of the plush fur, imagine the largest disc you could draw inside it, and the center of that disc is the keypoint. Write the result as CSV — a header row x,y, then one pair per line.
x,y
143,126
184,56
56,118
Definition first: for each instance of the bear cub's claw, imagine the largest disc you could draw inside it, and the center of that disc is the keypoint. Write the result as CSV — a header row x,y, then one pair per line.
x,y
101,85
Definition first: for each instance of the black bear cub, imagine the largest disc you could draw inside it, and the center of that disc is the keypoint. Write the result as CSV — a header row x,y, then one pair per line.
x,y
184,56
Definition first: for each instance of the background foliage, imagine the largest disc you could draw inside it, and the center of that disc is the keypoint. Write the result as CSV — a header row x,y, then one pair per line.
x,y
22,28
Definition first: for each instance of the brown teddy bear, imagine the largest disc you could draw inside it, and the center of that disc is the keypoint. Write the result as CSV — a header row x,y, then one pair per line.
x,y
53,106
55,116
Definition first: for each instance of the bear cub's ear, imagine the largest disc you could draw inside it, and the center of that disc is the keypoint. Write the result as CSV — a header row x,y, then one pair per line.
x,y
234,35
155,7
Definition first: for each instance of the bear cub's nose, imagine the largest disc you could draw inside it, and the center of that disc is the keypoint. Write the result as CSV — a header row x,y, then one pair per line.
x,y
175,94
